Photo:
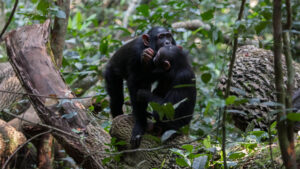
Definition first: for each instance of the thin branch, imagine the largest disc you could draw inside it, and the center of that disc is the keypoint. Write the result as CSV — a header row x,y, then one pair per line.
x,y
21,146
154,148
284,143
9,19
47,96
43,125
227,91
288,24
290,82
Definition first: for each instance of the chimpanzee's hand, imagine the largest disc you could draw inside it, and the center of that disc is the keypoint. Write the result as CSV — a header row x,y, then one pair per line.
x,y
136,135
147,55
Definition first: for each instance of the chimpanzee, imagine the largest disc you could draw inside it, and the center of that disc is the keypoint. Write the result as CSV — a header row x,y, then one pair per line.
x,y
133,62
177,83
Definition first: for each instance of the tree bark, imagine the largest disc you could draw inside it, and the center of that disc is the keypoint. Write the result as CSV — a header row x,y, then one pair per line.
x,y
26,48
288,155
10,139
59,30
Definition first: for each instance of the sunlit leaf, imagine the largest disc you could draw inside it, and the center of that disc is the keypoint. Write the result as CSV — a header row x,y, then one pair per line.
x,y
257,133
236,155
230,100
189,148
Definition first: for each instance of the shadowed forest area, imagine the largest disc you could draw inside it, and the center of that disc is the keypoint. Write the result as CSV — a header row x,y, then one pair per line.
x,y
149,84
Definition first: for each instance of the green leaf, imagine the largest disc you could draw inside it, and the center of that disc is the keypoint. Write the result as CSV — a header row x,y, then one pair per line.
x,y
165,110
169,111
60,14
178,104
181,162
77,20
144,9
273,125
200,162
167,134
238,91
261,26
69,115
157,107
43,6
184,85
236,112
237,155
294,116
206,77
189,148
208,15
267,13
272,104
206,142
230,100
257,133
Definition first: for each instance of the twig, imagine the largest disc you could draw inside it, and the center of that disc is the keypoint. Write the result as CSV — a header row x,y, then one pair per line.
x,y
47,96
43,125
152,149
227,91
9,19
21,146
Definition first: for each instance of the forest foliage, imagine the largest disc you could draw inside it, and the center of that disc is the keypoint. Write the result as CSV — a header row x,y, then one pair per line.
x,y
96,29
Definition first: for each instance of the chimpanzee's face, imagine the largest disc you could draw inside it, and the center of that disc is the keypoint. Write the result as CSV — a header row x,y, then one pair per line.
x,y
164,39
165,56
160,37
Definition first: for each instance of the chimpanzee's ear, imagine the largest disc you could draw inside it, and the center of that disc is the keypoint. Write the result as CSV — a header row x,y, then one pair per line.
x,y
146,39
167,65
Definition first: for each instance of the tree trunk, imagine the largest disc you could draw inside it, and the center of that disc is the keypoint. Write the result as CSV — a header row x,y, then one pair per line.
x,y
59,30
28,54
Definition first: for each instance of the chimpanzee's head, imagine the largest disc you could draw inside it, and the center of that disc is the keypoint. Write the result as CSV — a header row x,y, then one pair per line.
x,y
168,55
158,37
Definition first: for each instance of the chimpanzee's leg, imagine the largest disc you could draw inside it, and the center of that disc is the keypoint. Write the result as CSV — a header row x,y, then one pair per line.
x,y
138,110
114,87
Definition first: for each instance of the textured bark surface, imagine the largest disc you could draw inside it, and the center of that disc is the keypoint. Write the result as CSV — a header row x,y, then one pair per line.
x,y
44,152
253,78
10,139
121,129
59,31
28,55
9,82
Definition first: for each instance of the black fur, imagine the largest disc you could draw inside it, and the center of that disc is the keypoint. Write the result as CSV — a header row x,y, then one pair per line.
x,y
127,64
176,84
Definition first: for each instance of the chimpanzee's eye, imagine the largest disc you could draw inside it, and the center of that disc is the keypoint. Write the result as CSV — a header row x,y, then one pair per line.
x,y
160,36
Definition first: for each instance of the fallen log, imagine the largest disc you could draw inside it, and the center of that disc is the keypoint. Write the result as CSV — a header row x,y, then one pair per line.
x,y
52,98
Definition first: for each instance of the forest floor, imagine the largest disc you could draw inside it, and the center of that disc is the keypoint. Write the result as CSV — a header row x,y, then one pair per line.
x,y
261,158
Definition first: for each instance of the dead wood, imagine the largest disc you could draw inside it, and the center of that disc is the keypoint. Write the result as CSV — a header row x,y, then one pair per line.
x,y
10,139
28,54
253,79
